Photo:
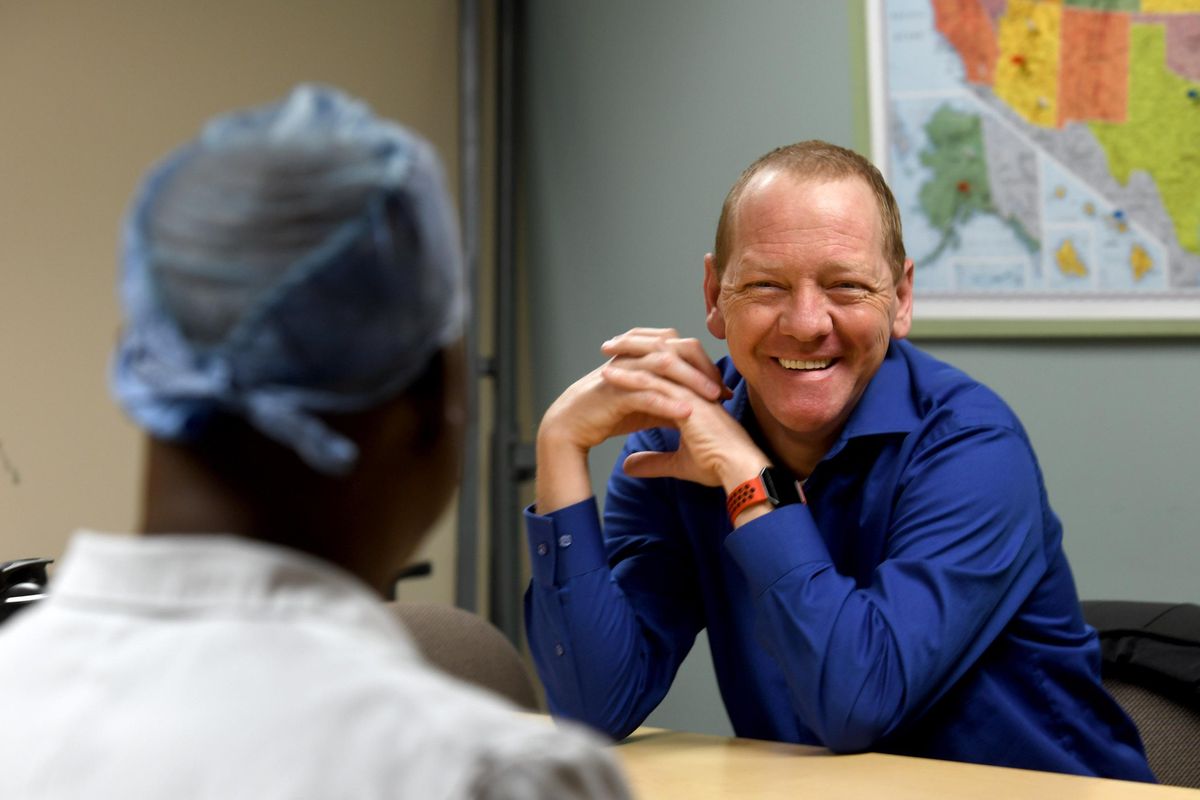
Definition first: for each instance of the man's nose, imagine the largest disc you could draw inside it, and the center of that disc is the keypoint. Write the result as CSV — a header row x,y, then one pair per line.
x,y
807,316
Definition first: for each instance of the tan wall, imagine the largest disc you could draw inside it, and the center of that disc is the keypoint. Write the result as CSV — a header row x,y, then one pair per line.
x,y
90,95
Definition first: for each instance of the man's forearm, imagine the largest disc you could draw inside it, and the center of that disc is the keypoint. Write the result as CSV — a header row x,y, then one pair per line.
x,y
562,474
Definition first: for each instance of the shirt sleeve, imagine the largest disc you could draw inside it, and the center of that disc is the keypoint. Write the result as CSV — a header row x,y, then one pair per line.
x,y
964,551
611,614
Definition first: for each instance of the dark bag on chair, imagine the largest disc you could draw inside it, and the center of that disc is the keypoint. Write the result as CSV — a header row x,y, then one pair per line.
x,y
1156,645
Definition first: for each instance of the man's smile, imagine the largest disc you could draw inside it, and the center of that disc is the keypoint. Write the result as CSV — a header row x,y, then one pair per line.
x,y
806,365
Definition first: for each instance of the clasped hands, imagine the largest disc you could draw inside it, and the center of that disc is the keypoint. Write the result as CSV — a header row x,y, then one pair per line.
x,y
653,379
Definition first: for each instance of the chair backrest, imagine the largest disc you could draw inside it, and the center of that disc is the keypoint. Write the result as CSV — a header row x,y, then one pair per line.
x,y
469,648
1151,665
1170,731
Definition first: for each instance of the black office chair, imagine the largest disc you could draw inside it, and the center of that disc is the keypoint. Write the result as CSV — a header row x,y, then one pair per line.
x,y
1151,665
22,583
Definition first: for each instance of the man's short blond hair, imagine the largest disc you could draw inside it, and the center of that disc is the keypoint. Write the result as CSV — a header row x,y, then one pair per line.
x,y
819,161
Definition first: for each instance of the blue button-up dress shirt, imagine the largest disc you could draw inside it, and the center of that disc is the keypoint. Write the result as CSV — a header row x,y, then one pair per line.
x,y
919,604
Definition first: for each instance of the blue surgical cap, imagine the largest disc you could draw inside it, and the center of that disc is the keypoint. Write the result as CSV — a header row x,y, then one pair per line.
x,y
295,259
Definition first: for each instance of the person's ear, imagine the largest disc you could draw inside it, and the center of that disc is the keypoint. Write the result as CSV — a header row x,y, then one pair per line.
x,y
902,322
713,318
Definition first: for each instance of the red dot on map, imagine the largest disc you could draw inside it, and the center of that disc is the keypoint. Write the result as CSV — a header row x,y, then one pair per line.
x,y
1018,60
964,187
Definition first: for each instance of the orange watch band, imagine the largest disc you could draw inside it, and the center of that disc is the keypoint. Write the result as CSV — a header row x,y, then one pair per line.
x,y
745,495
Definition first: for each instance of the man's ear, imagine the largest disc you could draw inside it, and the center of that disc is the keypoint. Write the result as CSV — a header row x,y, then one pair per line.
x,y
714,319
902,322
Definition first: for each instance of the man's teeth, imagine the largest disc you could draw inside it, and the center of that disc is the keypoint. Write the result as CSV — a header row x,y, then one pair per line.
x,y
788,363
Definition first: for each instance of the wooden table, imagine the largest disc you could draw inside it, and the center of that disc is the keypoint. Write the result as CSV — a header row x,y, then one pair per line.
x,y
691,766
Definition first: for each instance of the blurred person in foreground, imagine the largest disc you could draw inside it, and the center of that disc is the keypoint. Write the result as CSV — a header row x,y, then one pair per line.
x,y
293,313
862,530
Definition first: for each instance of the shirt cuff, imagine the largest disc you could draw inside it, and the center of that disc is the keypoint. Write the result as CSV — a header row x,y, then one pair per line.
x,y
773,545
565,543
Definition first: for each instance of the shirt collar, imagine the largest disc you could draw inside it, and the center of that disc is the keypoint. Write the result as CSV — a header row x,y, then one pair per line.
x,y
886,405
214,575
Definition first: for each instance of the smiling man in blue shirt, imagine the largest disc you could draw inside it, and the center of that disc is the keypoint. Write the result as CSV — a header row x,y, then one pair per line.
x,y
863,530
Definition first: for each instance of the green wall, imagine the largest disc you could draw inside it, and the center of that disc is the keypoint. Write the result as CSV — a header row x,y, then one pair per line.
x,y
639,115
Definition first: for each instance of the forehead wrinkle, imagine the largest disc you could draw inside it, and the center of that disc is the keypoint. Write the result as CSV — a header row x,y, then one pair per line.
x,y
821,226
838,249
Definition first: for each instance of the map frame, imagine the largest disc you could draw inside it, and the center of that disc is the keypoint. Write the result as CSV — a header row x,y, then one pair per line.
x,y
973,316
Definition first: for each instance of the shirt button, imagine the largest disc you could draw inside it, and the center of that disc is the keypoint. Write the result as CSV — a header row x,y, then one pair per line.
x,y
542,548
559,650
565,540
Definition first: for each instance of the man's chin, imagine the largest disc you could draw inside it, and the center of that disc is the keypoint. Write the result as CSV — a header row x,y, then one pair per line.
x,y
812,424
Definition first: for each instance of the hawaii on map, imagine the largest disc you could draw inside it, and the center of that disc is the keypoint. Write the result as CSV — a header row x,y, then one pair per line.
x,y
1044,149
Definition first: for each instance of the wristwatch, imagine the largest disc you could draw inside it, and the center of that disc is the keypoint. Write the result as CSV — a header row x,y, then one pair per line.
x,y
772,485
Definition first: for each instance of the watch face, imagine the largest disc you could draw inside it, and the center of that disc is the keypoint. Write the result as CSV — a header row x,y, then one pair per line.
x,y
782,488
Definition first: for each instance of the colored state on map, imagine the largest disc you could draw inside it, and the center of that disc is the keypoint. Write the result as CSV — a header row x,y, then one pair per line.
x,y
959,186
1027,74
1069,262
968,27
1140,262
1170,6
1094,67
1106,5
1183,44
